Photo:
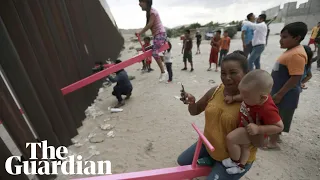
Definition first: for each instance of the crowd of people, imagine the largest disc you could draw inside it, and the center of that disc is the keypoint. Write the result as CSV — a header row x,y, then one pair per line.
x,y
251,107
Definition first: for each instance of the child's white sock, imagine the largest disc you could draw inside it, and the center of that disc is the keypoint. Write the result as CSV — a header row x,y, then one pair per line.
x,y
228,163
235,170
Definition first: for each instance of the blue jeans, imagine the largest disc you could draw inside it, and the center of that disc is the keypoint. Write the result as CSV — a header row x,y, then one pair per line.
x,y
218,171
255,55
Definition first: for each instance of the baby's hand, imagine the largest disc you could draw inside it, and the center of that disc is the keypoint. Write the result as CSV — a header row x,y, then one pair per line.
x,y
228,99
252,129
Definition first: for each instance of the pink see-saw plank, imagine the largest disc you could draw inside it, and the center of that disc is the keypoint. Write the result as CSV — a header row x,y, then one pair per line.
x,y
106,72
175,173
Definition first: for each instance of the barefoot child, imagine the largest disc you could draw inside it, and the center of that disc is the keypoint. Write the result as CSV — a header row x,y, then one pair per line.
x,y
255,90
215,48
123,87
168,62
187,51
158,31
287,73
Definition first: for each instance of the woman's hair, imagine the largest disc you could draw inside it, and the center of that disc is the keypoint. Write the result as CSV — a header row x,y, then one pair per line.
x,y
238,56
309,54
149,5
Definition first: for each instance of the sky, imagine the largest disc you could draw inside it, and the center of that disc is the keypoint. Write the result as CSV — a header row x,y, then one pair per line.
x,y
173,13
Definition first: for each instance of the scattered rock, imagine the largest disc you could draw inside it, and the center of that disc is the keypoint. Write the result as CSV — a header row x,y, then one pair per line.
x,y
107,119
131,47
106,127
78,145
149,147
212,81
93,112
132,78
91,135
74,141
97,139
110,134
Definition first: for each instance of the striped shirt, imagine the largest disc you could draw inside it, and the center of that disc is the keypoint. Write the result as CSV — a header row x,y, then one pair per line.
x,y
157,26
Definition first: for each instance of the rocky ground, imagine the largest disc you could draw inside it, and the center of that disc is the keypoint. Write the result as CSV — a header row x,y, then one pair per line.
x,y
155,127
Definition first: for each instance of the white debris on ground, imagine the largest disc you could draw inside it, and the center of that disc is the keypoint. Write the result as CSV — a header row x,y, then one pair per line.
x,y
106,127
115,110
93,112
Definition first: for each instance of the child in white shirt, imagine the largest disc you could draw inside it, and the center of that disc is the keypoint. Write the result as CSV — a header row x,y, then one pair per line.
x,y
168,62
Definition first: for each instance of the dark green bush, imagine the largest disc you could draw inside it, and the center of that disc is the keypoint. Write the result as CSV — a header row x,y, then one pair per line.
x,y
231,31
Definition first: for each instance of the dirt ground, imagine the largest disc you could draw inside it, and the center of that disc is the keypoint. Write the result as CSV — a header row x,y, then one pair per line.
x,y
155,127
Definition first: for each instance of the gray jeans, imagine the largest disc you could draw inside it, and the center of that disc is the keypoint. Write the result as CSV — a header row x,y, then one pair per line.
x,y
254,59
248,49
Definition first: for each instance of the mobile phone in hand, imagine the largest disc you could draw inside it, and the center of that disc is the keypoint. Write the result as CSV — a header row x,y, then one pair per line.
x,y
183,97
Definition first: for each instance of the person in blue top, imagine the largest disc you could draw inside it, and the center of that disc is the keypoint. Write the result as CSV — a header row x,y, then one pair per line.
x,y
247,35
123,87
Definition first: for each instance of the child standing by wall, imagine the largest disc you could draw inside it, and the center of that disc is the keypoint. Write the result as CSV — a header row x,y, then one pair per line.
x,y
158,31
287,74
168,62
187,51
225,46
215,48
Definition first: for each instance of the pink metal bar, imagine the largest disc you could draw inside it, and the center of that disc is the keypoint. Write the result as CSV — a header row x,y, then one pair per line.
x,y
95,77
174,173
196,154
203,138
139,39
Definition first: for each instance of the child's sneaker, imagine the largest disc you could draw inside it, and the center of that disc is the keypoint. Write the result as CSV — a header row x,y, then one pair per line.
x,y
235,170
228,163
162,77
168,81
